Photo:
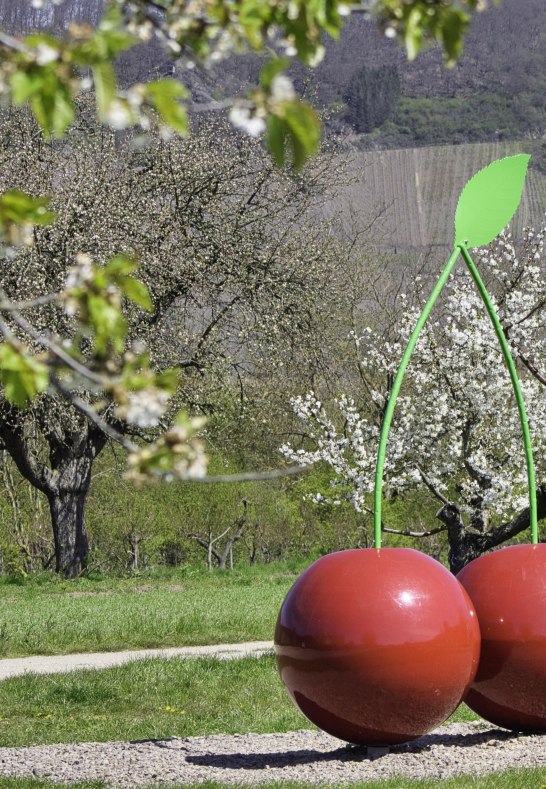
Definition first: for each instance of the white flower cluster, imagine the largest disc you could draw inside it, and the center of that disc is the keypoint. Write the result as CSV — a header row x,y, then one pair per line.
x,y
456,419
145,407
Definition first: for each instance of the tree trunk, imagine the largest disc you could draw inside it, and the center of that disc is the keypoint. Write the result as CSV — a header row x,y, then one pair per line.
x,y
64,480
71,464
67,509
468,542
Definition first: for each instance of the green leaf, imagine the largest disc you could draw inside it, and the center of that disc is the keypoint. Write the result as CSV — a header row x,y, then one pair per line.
x,y
16,207
22,375
165,95
53,107
304,130
120,265
489,201
454,27
25,84
254,16
413,33
137,292
275,138
270,71
109,324
105,86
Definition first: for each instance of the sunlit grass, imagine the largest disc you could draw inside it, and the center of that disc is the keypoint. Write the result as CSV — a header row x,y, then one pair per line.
x,y
146,699
184,607
150,699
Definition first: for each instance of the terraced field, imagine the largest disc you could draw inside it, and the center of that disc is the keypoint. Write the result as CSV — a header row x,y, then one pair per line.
x,y
417,189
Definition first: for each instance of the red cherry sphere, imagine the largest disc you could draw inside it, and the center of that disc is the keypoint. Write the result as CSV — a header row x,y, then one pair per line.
x,y
377,646
508,589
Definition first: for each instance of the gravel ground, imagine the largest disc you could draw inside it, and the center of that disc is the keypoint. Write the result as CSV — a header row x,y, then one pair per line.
x,y
307,756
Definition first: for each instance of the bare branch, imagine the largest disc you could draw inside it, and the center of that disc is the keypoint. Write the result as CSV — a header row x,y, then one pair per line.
x,y
9,42
433,489
409,533
87,410
253,476
532,369
18,306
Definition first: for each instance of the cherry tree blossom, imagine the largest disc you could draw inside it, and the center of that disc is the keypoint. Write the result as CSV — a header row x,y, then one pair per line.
x,y
456,430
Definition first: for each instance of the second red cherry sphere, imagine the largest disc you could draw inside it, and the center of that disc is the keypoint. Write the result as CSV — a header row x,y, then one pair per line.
x,y
377,646
508,590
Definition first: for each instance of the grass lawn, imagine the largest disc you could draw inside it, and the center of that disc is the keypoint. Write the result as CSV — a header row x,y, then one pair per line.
x,y
511,779
186,606
150,699
160,698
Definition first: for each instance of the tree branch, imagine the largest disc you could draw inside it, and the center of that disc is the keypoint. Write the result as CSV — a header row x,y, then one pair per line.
x,y
433,489
17,306
535,372
50,345
409,533
88,411
253,476
13,43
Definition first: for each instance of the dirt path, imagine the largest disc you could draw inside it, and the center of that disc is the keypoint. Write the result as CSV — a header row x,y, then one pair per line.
x,y
58,664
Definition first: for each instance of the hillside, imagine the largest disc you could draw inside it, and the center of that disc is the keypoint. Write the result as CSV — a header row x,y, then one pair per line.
x,y
497,91
416,190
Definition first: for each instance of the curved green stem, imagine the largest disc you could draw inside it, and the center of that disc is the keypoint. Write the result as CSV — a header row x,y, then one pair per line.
x,y
517,391
397,383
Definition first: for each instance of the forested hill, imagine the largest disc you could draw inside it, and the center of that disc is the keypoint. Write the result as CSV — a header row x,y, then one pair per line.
x,y
497,91
375,98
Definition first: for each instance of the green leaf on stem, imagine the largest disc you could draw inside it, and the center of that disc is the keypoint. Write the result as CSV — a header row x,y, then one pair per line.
x,y
294,125
22,375
275,138
137,292
489,201
104,78
53,107
18,208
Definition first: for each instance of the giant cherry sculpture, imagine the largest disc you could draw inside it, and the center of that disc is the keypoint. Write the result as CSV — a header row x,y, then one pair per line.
x,y
378,646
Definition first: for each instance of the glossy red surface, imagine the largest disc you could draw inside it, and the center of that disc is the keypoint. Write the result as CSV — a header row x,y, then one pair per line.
x,y
508,589
377,646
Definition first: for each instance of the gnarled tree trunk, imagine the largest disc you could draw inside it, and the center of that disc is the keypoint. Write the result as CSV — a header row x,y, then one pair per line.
x,y
467,542
64,479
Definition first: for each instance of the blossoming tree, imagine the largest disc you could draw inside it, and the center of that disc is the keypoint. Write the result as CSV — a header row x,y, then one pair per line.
x,y
456,432
71,333
231,283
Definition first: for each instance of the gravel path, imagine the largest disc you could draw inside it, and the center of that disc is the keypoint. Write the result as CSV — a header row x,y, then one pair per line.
x,y
308,756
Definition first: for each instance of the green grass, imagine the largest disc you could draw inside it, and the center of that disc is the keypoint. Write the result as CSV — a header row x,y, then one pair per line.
x,y
150,699
178,608
146,699
511,779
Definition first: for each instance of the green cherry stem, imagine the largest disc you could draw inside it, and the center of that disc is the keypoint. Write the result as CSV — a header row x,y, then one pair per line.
x,y
397,383
517,390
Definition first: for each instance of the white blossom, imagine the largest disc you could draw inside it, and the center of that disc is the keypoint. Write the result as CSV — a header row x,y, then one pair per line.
x,y
282,88
456,419
46,54
145,407
242,118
